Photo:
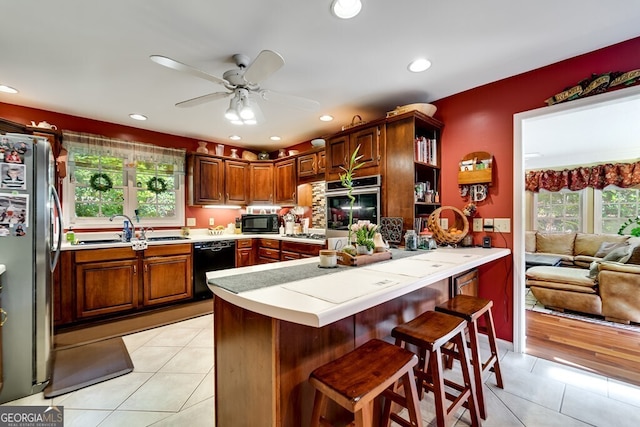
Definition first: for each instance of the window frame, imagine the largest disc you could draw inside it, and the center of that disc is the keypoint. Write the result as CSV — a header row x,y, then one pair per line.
x,y
598,205
584,204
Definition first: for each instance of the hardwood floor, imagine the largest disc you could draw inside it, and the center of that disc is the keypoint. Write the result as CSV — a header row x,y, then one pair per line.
x,y
600,349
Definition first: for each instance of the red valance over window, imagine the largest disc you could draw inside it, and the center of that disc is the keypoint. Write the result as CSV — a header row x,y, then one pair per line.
x,y
623,175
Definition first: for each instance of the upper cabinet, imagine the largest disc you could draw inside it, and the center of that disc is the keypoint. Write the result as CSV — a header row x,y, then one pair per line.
x,y
206,180
413,161
285,182
236,182
261,182
311,166
370,138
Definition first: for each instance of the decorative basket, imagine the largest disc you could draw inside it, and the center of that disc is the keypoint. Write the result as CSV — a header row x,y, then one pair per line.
x,y
444,236
354,122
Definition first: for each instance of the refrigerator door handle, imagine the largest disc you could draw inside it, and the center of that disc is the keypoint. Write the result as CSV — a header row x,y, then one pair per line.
x,y
58,210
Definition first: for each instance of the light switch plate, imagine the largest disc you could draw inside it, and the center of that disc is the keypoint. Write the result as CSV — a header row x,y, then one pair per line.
x,y
477,225
212,221
444,223
503,225
191,222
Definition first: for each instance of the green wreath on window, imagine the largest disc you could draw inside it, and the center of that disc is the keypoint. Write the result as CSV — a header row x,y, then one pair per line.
x,y
157,185
101,182
634,231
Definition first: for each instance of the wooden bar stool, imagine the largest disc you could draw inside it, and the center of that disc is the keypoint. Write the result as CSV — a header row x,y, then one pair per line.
x,y
471,309
357,378
430,332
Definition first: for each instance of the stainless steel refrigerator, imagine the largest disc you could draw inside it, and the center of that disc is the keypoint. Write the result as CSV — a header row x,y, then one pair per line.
x,y
30,235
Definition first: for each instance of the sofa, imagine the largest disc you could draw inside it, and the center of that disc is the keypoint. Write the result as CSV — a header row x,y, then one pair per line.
x,y
599,274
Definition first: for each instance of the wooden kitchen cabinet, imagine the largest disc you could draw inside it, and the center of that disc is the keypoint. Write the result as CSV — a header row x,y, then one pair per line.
x,y
268,251
206,180
244,252
465,283
311,166
340,147
235,182
296,250
261,183
167,274
106,282
285,182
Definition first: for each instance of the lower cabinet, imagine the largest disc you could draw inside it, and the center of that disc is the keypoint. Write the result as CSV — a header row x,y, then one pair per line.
x,y
244,252
465,283
268,251
297,250
117,280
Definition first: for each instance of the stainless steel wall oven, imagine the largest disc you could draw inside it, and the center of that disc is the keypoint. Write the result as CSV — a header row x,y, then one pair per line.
x,y
365,207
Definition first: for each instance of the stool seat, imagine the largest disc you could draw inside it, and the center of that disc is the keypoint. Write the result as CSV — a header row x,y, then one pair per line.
x,y
431,332
470,309
358,377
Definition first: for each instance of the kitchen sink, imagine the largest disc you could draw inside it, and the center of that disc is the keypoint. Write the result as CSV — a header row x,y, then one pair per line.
x,y
159,239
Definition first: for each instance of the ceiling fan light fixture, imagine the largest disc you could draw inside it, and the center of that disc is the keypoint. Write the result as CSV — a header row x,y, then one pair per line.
x,y
250,122
346,9
419,65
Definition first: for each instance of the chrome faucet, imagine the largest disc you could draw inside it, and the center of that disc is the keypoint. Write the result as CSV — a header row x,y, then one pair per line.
x,y
133,227
144,231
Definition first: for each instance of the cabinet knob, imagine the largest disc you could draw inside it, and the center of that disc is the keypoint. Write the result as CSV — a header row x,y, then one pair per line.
x,y
135,269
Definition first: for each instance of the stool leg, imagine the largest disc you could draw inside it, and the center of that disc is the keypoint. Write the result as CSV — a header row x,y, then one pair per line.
x,y
411,395
466,375
364,417
319,406
491,331
435,366
476,361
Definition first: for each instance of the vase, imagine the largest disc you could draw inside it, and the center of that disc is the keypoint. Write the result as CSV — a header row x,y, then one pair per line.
x,y
202,147
363,250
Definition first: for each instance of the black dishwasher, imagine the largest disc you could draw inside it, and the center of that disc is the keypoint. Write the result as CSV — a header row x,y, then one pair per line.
x,y
210,256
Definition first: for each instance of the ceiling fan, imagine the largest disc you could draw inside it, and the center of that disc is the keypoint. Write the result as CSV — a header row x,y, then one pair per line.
x,y
241,83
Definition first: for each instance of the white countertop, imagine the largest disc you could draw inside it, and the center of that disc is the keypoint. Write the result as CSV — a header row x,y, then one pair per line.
x,y
322,300
194,237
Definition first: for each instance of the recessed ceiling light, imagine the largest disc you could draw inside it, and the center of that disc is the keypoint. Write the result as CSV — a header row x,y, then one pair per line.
x,y
419,65
346,9
235,138
136,116
7,89
275,138
326,118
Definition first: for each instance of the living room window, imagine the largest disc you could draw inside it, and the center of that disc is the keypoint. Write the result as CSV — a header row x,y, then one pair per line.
x,y
559,211
613,206
108,177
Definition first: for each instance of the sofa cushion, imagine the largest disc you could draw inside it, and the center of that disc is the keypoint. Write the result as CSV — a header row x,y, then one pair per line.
x,y
560,243
530,241
561,286
572,276
606,247
621,255
589,244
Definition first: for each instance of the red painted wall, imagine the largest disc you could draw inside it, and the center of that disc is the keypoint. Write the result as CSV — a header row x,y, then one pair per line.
x,y
481,119
25,115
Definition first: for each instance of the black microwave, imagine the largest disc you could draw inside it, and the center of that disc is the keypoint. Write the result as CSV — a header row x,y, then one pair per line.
x,y
260,223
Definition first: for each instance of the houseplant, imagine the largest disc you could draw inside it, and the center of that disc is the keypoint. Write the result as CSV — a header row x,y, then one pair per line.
x,y
365,232
346,179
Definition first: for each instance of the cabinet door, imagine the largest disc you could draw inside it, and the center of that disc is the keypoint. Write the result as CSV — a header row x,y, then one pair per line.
x,y
322,161
261,183
236,180
307,165
206,180
286,184
465,284
106,287
244,257
337,154
369,141
167,279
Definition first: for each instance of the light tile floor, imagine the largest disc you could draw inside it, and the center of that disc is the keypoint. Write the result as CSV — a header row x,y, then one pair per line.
x,y
172,385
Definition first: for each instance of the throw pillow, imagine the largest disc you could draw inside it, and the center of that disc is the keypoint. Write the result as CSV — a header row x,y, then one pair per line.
x,y
607,247
621,255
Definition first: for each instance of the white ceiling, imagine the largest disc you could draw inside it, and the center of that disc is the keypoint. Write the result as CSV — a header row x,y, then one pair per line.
x,y
91,59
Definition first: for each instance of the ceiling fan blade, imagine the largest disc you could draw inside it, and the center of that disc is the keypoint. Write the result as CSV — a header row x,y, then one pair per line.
x,y
203,99
267,63
290,100
179,66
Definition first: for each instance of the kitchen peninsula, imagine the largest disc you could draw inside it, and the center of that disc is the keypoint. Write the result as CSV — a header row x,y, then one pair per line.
x,y
275,323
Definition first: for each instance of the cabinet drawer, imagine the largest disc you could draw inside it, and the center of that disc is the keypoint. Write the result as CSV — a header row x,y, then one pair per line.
x,y
302,248
161,250
243,243
269,253
111,254
269,243
285,255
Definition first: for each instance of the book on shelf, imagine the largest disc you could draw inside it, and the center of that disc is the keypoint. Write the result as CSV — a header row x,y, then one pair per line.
x,y
425,150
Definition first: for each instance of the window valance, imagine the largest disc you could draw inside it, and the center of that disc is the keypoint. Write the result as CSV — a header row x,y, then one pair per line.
x,y
623,175
89,144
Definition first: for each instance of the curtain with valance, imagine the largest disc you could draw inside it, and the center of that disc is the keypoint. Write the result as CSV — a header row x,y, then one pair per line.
x,y
89,144
623,175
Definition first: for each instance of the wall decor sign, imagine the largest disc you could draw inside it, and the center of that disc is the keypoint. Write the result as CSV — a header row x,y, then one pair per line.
x,y
595,84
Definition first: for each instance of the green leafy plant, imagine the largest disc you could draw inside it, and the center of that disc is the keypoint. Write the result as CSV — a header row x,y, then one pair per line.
x,y
365,231
346,179
635,231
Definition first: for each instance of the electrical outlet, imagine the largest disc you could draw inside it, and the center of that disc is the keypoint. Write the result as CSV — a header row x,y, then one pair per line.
x,y
477,224
138,245
502,225
488,224
191,222
212,221
444,223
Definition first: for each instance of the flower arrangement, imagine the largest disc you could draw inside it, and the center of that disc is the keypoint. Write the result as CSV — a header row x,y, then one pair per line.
x,y
346,179
365,231
469,209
